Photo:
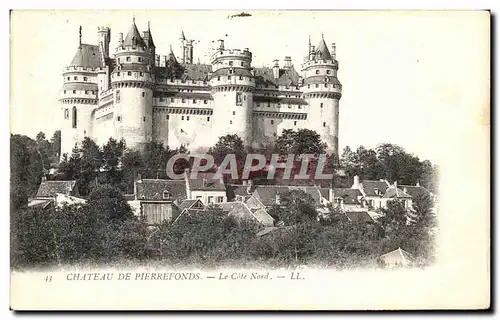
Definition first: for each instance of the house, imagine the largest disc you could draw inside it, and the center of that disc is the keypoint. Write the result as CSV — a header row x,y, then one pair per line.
x,y
156,200
372,191
359,216
395,193
237,192
396,258
55,193
206,187
348,200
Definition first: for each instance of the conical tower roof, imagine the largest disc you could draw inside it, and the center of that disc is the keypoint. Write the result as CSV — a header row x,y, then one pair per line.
x,y
133,37
86,56
322,52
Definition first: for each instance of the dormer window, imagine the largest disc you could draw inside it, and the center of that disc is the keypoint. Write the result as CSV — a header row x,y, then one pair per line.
x,y
128,58
166,195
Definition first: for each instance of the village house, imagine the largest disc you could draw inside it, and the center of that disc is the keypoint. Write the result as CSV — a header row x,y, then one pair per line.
x,y
241,210
376,194
155,200
396,258
205,188
56,193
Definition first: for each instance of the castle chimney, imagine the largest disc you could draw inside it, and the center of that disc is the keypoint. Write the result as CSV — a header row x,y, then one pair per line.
x,y
355,184
312,53
288,62
220,44
120,39
334,50
276,69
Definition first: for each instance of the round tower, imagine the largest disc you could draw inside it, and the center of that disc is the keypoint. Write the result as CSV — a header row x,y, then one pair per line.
x,y
322,91
132,81
78,97
232,85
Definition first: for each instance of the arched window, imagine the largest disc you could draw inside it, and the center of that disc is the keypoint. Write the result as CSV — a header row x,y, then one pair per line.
x,y
74,117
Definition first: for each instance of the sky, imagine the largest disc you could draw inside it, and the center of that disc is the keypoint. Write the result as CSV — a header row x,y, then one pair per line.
x,y
417,79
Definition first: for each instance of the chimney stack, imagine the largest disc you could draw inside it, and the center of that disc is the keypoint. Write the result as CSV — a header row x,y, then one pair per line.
x,y
418,184
334,50
249,187
120,39
220,44
355,185
288,62
331,196
278,199
276,69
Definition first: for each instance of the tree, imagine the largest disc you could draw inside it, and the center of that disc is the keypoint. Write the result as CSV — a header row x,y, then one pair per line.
x,y
303,141
228,144
155,159
295,206
112,153
108,204
132,164
55,144
90,165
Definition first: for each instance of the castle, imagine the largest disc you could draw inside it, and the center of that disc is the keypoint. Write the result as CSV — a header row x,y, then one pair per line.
x,y
141,96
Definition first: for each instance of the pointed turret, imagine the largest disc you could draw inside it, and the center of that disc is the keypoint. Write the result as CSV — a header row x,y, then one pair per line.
x,y
148,37
183,37
322,52
133,37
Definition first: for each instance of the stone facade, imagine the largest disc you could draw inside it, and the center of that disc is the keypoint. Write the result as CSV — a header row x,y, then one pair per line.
x,y
140,96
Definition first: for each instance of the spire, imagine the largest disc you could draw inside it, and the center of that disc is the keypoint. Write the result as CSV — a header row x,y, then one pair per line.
x,y
80,38
322,52
150,36
183,37
133,37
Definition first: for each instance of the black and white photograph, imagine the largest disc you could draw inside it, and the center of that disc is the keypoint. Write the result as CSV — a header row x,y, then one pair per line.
x,y
213,157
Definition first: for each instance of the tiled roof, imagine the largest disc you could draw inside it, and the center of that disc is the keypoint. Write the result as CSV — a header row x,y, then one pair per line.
x,y
398,255
188,204
228,206
197,71
415,191
51,188
149,37
152,189
133,37
350,196
87,56
205,181
322,52
393,192
264,76
369,187
325,193
288,77
359,216
40,203
267,194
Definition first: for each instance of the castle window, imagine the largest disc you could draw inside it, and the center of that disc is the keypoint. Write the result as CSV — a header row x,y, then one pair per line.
x,y
139,59
324,124
208,119
143,94
230,71
168,117
317,71
218,78
129,73
183,100
66,113
241,77
230,121
128,59
328,71
289,106
84,78
300,107
74,91
187,118
194,101
69,78
118,60
194,81
182,118
117,98
205,102
171,99
75,78
317,85
242,63
272,121
230,63
64,91
244,97
144,119
308,86
74,117
234,113
140,74
321,105
162,99
86,91
228,77
295,123
119,118
326,85
118,73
